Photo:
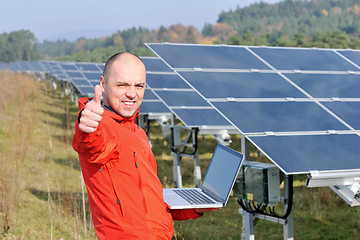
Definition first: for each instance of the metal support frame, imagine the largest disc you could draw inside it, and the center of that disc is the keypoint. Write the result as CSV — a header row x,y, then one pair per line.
x,y
249,219
144,123
346,184
179,148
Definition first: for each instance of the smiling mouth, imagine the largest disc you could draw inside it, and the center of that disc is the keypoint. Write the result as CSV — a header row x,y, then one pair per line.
x,y
129,103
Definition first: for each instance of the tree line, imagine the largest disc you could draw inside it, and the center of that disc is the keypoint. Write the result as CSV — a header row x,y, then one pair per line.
x,y
290,23
18,45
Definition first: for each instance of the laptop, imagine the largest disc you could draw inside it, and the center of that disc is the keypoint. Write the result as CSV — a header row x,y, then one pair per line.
x,y
218,182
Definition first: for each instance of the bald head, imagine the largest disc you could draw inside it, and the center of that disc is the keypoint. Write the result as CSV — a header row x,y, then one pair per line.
x,y
123,59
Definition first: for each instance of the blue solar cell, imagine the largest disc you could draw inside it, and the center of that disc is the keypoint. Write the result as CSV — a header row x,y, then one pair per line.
x,y
4,66
153,107
87,66
278,116
182,98
301,154
70,67
35,66
155,65
348,111
63,76
207,56
81,82
93,75
165,81
75,75
101,66
304,59
86,90
328,85
201,117
352,55
241,85
21,66
149,94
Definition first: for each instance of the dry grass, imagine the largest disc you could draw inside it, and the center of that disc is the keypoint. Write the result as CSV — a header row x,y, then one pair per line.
x,y
40,184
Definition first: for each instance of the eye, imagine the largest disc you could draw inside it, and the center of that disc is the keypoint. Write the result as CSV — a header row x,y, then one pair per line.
x,y
121,84
140,86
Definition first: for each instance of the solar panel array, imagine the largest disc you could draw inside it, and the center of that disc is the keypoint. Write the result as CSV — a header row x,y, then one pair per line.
x,y
84,77
299,106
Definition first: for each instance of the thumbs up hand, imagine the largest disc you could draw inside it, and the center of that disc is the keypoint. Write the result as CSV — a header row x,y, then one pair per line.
x,y
92,114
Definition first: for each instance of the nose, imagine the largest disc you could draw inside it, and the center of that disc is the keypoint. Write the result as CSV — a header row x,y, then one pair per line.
x,y
131,92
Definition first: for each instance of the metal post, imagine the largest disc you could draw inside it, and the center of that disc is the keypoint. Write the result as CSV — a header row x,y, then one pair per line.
x,y
197,169
245,147
248,218
289,225
177,170
248,226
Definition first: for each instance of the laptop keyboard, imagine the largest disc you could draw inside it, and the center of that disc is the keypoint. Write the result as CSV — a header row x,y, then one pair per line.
x,y
193,196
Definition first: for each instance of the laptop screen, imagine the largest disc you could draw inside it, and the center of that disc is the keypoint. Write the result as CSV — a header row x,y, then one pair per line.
x,y
222,172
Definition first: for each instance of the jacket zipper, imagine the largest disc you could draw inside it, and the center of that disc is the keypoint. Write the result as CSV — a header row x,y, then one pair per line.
x,y
140,182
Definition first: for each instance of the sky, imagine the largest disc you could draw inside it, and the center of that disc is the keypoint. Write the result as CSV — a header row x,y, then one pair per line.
x,y
71,19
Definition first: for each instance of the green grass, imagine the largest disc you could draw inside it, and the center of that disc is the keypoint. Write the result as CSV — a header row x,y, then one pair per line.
x,y
41,186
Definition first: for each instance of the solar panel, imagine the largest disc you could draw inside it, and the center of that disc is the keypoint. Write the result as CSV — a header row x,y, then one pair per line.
x,y
303,59
154,107
70,67
154,64
182,99
35,66
80,82
241,85
95,76
151,104
210,57
203,118
297,105
261,117
328,85
169,81
87,67
179,97
300,154
348,111
352,55
5,66
74,74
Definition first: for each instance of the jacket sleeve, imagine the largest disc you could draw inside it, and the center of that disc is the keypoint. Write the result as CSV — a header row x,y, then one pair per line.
x,y
184,214
95,145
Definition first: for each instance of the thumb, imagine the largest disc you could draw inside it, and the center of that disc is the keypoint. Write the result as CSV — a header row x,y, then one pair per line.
x,y
98,94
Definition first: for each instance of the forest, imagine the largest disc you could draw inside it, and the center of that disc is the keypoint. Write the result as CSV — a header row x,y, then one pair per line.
x,y
292,23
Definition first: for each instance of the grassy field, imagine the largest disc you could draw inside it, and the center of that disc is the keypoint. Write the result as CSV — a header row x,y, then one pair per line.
x,y
42,195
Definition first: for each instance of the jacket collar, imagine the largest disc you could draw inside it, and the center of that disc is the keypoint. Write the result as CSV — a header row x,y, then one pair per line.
x,y
111,113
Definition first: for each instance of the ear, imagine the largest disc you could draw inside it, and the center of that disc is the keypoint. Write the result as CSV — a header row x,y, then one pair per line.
x,y
102,83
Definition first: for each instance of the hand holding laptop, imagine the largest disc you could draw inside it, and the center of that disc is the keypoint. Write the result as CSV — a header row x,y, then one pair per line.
x,y
215,190
205,210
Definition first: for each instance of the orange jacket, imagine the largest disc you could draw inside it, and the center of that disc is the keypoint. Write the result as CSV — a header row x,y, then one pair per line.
x,y
120,173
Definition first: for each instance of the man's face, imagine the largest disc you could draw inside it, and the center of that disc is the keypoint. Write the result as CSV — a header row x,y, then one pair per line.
x,y
124,86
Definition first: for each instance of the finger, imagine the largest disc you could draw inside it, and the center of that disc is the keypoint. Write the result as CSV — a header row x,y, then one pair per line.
x,y
90,122
92,111
86,129
97,94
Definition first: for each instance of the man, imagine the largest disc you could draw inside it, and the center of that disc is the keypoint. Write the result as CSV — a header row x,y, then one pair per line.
x,y
118,166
